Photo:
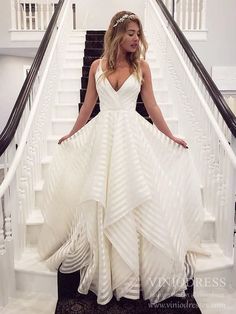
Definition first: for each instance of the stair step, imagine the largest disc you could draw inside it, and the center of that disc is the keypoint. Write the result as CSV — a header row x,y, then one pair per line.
x,y
93,44
93,51
45,163
33,227
38,195
69,96
32,274
88,60
52,142
77,33
35,218
71,72
75,40
90,32
94,37
62,126
75,47
76,53
66,110
70,83
74,61
215,261
208,234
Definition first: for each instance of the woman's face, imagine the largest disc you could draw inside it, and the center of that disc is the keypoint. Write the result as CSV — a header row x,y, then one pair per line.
x,y
130,40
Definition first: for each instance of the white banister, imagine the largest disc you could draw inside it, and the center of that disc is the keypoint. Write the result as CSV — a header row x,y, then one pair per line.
x,y
34,15
189,14
199,119
22,165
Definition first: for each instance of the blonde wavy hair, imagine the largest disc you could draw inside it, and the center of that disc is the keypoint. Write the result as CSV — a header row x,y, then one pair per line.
x,y
114,36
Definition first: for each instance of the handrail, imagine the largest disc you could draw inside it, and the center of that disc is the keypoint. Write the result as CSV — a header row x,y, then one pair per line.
x,y
211,87
18,109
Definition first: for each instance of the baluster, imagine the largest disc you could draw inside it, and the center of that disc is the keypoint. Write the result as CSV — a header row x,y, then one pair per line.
x,y
192,15
186,15
13,14
3,261
7,210
24,16
203,15
18,9
175,10
181,14
36,17
47,15
198,15
74,16
2,237
41,16
30,16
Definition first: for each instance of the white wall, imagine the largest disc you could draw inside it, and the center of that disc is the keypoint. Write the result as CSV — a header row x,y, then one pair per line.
x,y
11,80
5,22
96,14
220,47
8,46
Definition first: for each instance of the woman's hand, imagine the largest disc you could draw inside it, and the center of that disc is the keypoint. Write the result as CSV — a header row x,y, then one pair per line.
x,y
179,141
63,138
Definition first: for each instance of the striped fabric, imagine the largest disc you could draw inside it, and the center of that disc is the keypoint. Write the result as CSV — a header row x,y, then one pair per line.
x,y
122,204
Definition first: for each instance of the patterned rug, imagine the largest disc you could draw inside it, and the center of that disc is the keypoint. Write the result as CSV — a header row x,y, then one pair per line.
x,y
71,302
86,304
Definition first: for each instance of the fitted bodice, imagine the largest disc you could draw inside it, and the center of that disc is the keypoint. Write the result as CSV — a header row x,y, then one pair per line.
x,y
123,99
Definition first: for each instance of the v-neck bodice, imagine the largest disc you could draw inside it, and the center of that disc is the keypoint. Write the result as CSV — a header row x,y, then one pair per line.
x,y
123,99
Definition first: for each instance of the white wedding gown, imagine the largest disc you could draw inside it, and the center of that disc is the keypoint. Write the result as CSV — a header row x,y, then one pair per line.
x,y
122,204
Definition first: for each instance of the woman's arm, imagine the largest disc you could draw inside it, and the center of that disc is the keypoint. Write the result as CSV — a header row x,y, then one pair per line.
x,y
151,106
88,105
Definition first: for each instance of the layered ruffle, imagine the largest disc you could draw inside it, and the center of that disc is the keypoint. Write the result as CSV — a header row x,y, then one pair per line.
x,y
122,204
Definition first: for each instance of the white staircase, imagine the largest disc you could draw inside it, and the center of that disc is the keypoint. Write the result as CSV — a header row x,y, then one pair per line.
x,y
58,102
32,275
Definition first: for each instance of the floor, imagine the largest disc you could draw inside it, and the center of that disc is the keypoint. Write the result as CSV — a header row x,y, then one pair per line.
x,y
223,303
35,303
30,303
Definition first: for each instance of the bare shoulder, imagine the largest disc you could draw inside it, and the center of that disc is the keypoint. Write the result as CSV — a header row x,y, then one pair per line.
x,y
144,67
95,65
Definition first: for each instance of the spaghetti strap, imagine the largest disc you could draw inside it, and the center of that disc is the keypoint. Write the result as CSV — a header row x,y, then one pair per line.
x,y
99,67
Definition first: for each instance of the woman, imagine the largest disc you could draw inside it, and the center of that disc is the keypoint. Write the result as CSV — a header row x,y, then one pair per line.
x,y
122,202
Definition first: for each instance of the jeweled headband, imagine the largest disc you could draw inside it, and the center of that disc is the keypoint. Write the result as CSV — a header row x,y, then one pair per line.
x,y
124,17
